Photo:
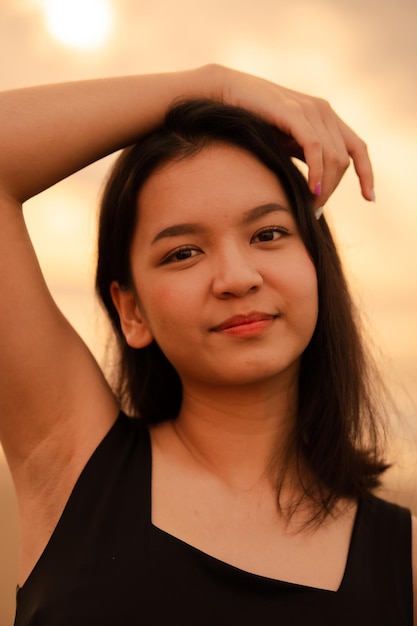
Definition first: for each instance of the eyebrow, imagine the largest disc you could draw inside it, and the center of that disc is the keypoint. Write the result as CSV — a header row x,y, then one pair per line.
x,y
264,209
185,228
191,228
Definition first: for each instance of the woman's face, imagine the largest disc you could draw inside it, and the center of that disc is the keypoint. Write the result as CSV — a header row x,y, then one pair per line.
x,y
222,279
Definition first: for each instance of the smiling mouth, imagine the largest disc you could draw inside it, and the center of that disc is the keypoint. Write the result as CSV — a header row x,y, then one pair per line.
x,y
253,321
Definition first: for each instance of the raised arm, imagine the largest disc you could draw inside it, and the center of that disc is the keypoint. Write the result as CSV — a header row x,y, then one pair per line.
x,y
67,126
49,132
51,389
55,405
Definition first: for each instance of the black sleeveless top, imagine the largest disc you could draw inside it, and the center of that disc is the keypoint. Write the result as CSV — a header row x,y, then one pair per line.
x,y
107,565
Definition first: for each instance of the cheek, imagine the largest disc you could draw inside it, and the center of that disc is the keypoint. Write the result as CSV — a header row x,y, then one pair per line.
x,y
302,289
165,307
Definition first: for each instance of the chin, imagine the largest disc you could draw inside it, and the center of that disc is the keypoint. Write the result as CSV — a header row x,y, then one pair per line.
x,y
255,375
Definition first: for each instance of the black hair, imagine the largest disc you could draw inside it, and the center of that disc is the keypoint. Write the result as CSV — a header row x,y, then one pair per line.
x,y
339,415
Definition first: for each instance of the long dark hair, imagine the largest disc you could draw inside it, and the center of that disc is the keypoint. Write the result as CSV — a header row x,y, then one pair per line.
x,y
339,417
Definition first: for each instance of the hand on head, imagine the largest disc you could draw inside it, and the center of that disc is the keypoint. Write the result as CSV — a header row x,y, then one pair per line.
x,y
316,134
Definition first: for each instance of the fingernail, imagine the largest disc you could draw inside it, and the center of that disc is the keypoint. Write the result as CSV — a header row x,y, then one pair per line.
x,y
373,197
319,212
317,189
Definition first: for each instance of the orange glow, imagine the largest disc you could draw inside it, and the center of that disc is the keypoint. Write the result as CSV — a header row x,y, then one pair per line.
x,y
366,67
79,23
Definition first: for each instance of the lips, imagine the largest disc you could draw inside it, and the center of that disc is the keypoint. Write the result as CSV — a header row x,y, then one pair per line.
x,y
243,320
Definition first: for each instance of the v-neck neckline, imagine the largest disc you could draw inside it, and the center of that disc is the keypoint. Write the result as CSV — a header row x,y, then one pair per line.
x,y
167,536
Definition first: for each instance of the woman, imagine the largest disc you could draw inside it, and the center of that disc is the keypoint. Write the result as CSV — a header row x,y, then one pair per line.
x,y
221,280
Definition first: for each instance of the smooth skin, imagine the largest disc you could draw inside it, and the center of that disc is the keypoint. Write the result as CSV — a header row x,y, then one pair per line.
x,y
216,238
53,410
223,282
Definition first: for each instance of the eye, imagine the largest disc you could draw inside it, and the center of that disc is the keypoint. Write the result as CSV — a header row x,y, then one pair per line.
x,y
181,254
270,233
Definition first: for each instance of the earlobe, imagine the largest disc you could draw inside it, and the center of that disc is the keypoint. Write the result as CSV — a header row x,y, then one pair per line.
x,y
134,327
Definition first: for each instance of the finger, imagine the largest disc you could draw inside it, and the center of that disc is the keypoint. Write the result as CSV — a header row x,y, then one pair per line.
x,y
321,138
358,151
336,158
308,136
324,149
328,144
284,109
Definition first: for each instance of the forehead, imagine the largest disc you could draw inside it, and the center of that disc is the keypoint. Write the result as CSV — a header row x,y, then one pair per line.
x,y
221,178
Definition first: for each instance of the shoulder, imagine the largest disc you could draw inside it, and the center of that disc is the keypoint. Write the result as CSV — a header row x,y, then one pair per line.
x,y
414,563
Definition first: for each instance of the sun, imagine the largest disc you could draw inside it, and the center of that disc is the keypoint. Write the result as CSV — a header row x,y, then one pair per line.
x,y
78,23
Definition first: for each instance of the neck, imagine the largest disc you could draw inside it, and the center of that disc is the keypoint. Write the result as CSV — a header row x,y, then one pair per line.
x,y
237,433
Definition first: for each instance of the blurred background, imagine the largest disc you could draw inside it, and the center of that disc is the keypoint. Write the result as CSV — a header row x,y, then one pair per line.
x,y
361,55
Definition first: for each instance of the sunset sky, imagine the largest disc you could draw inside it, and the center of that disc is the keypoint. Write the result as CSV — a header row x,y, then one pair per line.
x,y
361,55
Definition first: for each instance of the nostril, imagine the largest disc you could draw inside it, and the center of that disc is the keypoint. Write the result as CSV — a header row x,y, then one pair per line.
x,y
239,293
236,278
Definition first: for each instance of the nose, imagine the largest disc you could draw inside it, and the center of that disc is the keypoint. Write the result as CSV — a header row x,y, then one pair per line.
x,y
235,276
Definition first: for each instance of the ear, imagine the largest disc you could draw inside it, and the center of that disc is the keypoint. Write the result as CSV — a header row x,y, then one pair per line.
x,y
134,327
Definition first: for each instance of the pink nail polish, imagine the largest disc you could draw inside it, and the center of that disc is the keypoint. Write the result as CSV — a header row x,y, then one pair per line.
x,y
317,189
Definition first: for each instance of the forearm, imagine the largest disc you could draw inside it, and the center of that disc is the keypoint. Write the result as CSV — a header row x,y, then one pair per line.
x,y
49,132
